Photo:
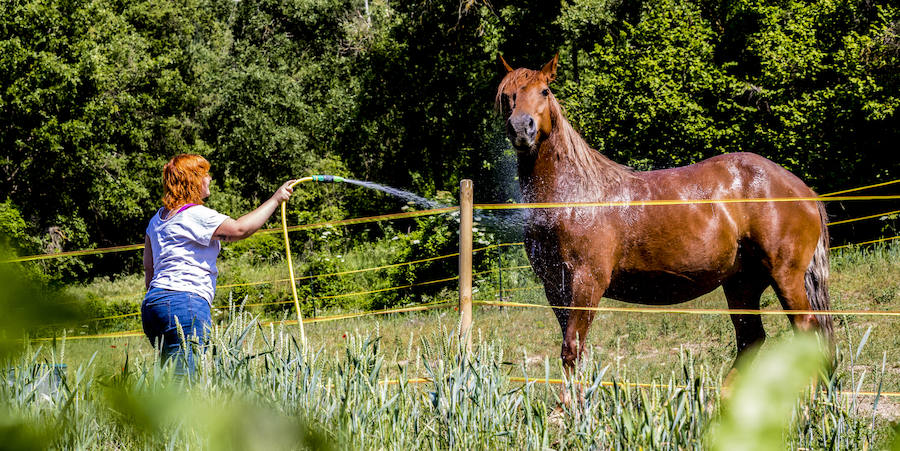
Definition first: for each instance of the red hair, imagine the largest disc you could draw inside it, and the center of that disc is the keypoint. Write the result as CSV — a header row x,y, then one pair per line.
x,y
183,180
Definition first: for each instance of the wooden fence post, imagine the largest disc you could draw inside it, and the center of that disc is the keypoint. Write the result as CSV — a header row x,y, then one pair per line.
x,y
500,274
465,261
312,295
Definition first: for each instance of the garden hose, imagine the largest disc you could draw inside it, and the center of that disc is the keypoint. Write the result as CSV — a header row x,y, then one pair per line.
x,y
287,245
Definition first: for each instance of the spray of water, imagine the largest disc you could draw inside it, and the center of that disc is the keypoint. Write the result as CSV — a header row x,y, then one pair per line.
x,y
405,195
507,223
504,222
495,221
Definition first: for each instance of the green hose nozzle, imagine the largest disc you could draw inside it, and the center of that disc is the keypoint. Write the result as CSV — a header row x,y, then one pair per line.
x,y
319,178
327,178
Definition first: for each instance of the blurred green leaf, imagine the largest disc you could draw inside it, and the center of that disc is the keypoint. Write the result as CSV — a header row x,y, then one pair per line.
x,y
28,305
758,413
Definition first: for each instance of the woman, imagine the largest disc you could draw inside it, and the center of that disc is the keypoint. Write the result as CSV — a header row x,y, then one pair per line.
x,y
180,250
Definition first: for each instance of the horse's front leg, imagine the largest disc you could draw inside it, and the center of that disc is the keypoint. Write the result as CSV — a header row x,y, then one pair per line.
x,y
588,286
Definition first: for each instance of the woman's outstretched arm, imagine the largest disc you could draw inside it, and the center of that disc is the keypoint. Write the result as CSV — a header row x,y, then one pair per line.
x,y
243,227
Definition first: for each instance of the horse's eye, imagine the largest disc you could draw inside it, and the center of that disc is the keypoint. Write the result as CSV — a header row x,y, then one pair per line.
x,y
545,92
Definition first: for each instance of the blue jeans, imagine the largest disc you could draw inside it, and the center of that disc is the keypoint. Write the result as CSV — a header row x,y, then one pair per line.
x,y
159,312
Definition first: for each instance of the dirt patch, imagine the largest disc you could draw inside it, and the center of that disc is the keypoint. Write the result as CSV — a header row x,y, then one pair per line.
x,y
871,370
535,360
888,409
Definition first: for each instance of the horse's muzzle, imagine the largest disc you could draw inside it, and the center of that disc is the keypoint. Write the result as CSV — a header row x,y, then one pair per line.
x,y
521,131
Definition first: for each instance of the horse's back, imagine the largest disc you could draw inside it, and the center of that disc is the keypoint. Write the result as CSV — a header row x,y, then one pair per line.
x,y
739,179
739,175
746,177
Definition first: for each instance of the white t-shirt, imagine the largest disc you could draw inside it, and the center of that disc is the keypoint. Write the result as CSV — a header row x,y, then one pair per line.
x,y
184,253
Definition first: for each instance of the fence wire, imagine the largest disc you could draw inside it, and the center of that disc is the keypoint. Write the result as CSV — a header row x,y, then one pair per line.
x,y
825,197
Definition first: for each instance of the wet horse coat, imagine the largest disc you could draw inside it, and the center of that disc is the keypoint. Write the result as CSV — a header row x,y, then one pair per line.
x,y
658,254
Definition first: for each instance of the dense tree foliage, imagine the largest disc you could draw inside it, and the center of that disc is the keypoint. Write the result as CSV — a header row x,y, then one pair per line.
x,y
96,96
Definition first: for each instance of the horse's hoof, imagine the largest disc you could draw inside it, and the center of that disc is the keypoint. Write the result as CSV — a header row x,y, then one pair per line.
x,y
557,417
728,385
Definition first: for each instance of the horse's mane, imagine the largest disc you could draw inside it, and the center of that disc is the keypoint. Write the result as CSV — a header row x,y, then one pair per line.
x,y
587,162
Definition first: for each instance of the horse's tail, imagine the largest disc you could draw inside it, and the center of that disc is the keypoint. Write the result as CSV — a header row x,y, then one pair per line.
x,y
817,276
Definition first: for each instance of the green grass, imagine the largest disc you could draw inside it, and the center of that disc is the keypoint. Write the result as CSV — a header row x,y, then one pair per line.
x,y
257,389
861,279
525,341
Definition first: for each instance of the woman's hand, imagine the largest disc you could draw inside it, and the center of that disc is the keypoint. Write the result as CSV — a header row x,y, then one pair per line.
x,y
284,192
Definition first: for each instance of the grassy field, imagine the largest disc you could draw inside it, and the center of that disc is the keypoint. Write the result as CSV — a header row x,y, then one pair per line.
x,y
257,389
861,279
512,342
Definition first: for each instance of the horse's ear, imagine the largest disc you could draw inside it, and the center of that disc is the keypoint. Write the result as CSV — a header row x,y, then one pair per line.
x,y
505,65
549,69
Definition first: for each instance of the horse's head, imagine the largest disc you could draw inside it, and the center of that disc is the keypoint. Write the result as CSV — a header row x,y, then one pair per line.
x,y
524,99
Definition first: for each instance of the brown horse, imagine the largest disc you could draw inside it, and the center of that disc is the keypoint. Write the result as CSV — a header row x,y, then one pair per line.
x,y
652,254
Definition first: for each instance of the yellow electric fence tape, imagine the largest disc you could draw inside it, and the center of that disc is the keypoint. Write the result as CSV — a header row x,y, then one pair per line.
x,y
316,276
293,278
319,225
505,268
123,334
440,257
865,242
367,219
425,380
134,247
104,250
139,333
342,295
823,197
307,319
861,188
126,315
426,306
527,380
830,248
505,290
544,380
695,311
415,308
673,202
287,249
887,213
260,304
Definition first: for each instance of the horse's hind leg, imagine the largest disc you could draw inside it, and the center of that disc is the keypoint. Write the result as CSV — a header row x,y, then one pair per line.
x,y
790,286
743,292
